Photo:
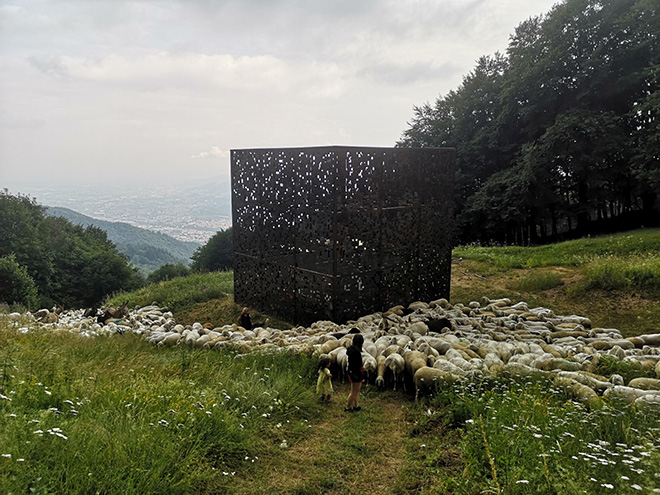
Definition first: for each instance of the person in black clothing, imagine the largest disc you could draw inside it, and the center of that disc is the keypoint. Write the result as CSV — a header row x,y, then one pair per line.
x,y
245,320
355,373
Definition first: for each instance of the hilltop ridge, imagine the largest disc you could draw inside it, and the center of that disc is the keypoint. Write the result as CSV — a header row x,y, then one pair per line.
x,y
147,250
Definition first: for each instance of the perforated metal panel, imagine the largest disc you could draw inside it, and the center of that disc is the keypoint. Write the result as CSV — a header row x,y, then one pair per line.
x,y
333,233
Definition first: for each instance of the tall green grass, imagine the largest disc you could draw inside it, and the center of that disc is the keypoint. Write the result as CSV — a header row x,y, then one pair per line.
x,y
636,273
117,415
180,293
539,282
525,436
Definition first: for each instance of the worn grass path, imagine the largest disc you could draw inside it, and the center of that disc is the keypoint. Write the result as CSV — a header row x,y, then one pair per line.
x,y
342,453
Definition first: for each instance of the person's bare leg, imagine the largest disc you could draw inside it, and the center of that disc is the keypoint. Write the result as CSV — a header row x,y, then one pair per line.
x,y
353,397
357,394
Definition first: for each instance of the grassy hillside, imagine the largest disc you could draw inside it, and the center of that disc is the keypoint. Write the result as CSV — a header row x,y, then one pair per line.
x,y
118,415
147,250
614,280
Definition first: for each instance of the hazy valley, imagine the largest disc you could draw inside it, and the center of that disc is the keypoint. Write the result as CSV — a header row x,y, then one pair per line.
x,y
190,211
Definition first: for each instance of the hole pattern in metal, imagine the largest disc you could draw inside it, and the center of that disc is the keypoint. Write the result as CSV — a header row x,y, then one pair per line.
x,y
333,233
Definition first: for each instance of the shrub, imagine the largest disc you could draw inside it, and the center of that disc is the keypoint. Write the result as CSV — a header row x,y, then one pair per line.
x,y
216,255
168,272
17,286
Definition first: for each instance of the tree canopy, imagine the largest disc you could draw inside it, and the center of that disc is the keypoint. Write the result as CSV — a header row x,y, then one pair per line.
x,y
216,255
560,137
70,265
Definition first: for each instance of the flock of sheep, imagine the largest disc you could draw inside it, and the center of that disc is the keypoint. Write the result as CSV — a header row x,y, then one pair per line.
x,y
424,344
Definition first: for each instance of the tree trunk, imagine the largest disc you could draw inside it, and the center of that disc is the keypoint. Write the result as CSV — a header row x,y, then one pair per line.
x,y
583,209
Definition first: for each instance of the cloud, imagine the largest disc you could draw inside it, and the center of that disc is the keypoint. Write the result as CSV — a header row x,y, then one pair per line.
x,y
149,86
216,152
194,71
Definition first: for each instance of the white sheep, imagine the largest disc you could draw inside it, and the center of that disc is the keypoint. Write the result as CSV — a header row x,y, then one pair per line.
x,y
427,378
596,383
369,364
629,393
445,365
397,365
380,379
414,361
651,339
645,383
577,389
492,336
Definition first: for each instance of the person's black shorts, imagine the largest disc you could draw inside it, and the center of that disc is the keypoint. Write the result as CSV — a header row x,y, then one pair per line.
x,y
355,378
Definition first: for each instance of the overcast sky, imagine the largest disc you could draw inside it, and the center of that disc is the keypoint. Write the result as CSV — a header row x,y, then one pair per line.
x,y
163,89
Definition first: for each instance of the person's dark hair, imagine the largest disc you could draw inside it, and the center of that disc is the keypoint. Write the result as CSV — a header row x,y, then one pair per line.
x,y
324,363
358,340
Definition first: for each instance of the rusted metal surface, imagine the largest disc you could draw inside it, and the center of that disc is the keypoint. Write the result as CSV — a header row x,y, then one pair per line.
x,y
333,233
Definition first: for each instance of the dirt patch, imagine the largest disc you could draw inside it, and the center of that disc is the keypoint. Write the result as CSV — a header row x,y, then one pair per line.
x,y
382,470
342,453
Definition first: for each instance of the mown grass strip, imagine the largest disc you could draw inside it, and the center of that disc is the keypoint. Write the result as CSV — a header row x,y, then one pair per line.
x,y
638,243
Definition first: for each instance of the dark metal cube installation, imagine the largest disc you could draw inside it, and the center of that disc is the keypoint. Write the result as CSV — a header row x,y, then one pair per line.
x,y
334,233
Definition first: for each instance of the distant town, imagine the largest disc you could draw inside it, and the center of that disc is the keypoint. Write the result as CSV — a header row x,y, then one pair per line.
x,y
188,212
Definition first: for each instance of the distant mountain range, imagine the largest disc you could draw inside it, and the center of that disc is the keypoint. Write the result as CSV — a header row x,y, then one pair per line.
x,y
147,250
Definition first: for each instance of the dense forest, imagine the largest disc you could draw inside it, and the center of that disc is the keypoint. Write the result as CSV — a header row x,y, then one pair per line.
x,y
559,137
47,261
146,249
